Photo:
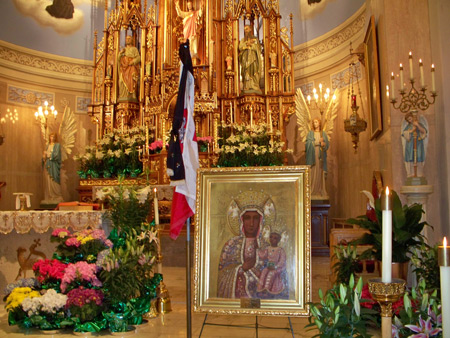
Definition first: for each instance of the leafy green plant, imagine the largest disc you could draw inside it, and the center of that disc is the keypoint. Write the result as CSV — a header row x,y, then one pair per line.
x,y
339,313
406,229
425,265
421,314
348,263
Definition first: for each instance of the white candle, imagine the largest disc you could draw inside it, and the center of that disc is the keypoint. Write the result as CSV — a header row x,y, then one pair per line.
x,y
422,79
231,112
251,117
386,260
444,263
155,205
309,99
392,91
402,84
270,122
411,75
433,84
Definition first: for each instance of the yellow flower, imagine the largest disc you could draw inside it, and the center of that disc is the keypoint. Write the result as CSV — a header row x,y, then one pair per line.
x,y
84,240
17,296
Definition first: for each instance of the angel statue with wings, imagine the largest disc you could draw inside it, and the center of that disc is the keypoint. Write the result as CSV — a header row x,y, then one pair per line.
x,y
316,136
54,154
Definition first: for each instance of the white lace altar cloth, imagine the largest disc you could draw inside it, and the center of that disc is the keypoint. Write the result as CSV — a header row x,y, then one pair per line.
x,y
41,221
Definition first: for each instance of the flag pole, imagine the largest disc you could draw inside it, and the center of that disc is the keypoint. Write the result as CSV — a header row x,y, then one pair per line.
x,y
188,278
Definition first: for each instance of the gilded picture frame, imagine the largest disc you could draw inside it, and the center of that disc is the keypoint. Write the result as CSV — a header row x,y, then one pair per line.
x,y
233,275
373,79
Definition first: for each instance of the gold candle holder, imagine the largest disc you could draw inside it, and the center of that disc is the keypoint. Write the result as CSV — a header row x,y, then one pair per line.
x,y
386,294
163,303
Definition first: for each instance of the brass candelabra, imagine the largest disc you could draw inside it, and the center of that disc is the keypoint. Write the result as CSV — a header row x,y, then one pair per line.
x,y
386,294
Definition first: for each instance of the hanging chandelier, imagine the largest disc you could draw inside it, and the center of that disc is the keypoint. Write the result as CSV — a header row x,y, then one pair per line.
x,y
354,124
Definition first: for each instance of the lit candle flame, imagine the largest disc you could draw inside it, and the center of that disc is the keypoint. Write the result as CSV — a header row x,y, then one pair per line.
x,y
444,242
387,191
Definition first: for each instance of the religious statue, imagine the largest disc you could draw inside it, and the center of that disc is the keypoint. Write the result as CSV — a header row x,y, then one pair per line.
x,y
250,61
61,9
191,18
317,142
53,156
240,266
414,141
129,60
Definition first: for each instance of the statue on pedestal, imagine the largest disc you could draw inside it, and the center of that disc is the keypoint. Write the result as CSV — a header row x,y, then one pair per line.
x,y
191,18
316,136
250,61
129,60
54,155
414,141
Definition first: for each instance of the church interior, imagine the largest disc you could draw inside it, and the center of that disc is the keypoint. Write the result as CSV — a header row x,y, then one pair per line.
x,y
351,93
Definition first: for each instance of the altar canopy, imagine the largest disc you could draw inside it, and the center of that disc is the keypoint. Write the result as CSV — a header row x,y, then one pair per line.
x,y
243,67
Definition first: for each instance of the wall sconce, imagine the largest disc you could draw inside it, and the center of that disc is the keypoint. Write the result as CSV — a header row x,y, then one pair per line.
x,y
12,116
354,124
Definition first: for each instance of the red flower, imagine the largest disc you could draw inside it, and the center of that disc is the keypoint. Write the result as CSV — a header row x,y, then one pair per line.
x,y
365,294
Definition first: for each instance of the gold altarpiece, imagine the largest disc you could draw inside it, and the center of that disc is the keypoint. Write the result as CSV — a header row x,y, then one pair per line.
x,y
156,30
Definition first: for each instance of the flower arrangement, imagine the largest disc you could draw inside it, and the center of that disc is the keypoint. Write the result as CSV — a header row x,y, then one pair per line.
x,y
17,296
241,146
49,272
16,315
85,304
108,282
80,273
116,154
83,245
156,147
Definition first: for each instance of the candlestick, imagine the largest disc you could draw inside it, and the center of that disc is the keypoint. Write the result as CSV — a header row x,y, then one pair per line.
x,y
433,84
402,84
155,206
411,75
444,265
270,122
231,112
392,91
422,79
386,260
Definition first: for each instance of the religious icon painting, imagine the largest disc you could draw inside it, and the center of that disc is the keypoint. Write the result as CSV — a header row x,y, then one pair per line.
x,y
252,243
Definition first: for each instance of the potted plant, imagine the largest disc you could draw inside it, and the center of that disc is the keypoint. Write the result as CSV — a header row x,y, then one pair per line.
x,y
339,312
406,230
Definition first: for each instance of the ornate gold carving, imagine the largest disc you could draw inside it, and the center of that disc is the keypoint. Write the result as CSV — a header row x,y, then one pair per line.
x,y
387,293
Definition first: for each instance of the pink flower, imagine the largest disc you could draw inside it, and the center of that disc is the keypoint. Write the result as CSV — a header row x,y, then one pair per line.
x,y
82,272
425,329
61,233
73,241
108,243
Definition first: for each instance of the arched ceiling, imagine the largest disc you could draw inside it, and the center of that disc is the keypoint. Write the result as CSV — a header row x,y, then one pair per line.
x,y
26,23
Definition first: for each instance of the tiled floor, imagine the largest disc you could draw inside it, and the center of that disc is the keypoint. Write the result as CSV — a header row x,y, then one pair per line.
x,y
173,324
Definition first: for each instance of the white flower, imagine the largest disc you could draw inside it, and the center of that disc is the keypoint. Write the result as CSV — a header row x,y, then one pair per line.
x,y
128,151
110,153
99,155
118,153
